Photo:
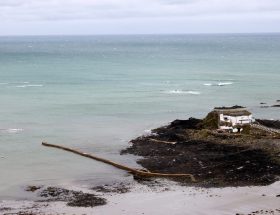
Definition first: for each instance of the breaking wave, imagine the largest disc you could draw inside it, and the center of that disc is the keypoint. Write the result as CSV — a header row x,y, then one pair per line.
x,y
29,85
224,83
220,84
183,92
12,130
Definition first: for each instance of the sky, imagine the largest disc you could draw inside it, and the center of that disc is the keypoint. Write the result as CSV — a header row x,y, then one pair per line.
x,y
87,17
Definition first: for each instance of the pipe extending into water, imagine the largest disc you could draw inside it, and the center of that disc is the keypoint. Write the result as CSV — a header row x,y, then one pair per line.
x,y
128,169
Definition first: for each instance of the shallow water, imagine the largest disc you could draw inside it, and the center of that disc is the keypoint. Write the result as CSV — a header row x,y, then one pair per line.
x,y
96,93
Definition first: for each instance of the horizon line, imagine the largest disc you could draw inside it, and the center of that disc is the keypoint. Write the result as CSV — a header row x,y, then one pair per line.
x,y
141,34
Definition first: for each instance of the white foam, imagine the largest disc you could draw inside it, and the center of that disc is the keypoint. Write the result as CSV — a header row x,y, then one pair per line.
x,y
183,92
224,83
208,84
147,132
218,84
35,85
29,85
193,92
12,130
20,82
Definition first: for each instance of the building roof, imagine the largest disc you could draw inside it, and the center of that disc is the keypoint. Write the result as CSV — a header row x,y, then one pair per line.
x,y
236,113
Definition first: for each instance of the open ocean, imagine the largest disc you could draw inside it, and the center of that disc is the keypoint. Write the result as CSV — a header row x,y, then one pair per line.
x,y
96,93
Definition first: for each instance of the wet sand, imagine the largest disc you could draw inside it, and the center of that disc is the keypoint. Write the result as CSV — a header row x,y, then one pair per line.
x,y
164,198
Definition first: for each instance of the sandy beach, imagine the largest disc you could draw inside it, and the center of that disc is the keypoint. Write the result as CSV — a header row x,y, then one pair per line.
x,y
166,198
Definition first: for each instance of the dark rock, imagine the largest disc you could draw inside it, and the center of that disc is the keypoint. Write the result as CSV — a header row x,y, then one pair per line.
x,y
32,188
191,123
73,198
269,123
232,107
86,200
5,209
24,213
141,179
275,106
115,188
214,160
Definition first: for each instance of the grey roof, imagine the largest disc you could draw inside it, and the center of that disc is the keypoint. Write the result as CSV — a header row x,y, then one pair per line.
x,y
236,113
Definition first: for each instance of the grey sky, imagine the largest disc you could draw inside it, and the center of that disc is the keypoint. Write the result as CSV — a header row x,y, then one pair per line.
x,y
31,17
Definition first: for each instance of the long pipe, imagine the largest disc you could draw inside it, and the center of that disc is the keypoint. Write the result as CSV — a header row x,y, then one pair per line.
x,y
128,169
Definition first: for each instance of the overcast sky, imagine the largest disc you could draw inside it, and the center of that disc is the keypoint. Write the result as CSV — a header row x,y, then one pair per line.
x,y
41,17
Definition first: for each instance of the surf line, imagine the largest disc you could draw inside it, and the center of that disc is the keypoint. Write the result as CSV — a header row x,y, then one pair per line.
x,y
133,171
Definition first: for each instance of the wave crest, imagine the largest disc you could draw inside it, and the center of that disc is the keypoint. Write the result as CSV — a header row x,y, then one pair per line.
x,y
30,85
12,130
220,84
184,92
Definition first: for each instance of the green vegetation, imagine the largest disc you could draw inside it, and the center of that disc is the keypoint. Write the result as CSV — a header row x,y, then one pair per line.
x,y
246,129
211,121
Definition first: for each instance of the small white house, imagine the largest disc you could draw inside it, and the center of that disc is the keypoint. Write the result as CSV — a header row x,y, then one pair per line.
x,y
233,118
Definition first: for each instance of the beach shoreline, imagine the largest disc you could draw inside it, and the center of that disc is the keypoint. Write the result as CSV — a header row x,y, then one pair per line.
x,y
164,198
154,196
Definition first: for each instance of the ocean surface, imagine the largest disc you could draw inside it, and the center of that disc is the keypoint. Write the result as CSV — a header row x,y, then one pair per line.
x,y
96,93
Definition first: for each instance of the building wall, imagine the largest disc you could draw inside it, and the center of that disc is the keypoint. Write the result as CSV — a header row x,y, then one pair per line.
x,y
235,120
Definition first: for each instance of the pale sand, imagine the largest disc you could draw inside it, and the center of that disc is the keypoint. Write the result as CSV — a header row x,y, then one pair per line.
x,y
176,200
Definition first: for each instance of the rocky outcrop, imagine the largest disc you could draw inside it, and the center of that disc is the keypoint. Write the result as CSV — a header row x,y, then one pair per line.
x,y
269,123
216,160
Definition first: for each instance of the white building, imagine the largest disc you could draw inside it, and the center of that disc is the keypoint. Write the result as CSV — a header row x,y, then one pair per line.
x,y
233,118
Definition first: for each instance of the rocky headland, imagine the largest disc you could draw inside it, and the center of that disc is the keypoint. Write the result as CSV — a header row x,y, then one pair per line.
x,y
215,159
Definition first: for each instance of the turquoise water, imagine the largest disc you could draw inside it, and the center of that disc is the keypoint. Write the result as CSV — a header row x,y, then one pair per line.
x,y
95,93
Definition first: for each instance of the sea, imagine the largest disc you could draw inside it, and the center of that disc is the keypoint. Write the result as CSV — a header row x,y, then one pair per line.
x,y
96,93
